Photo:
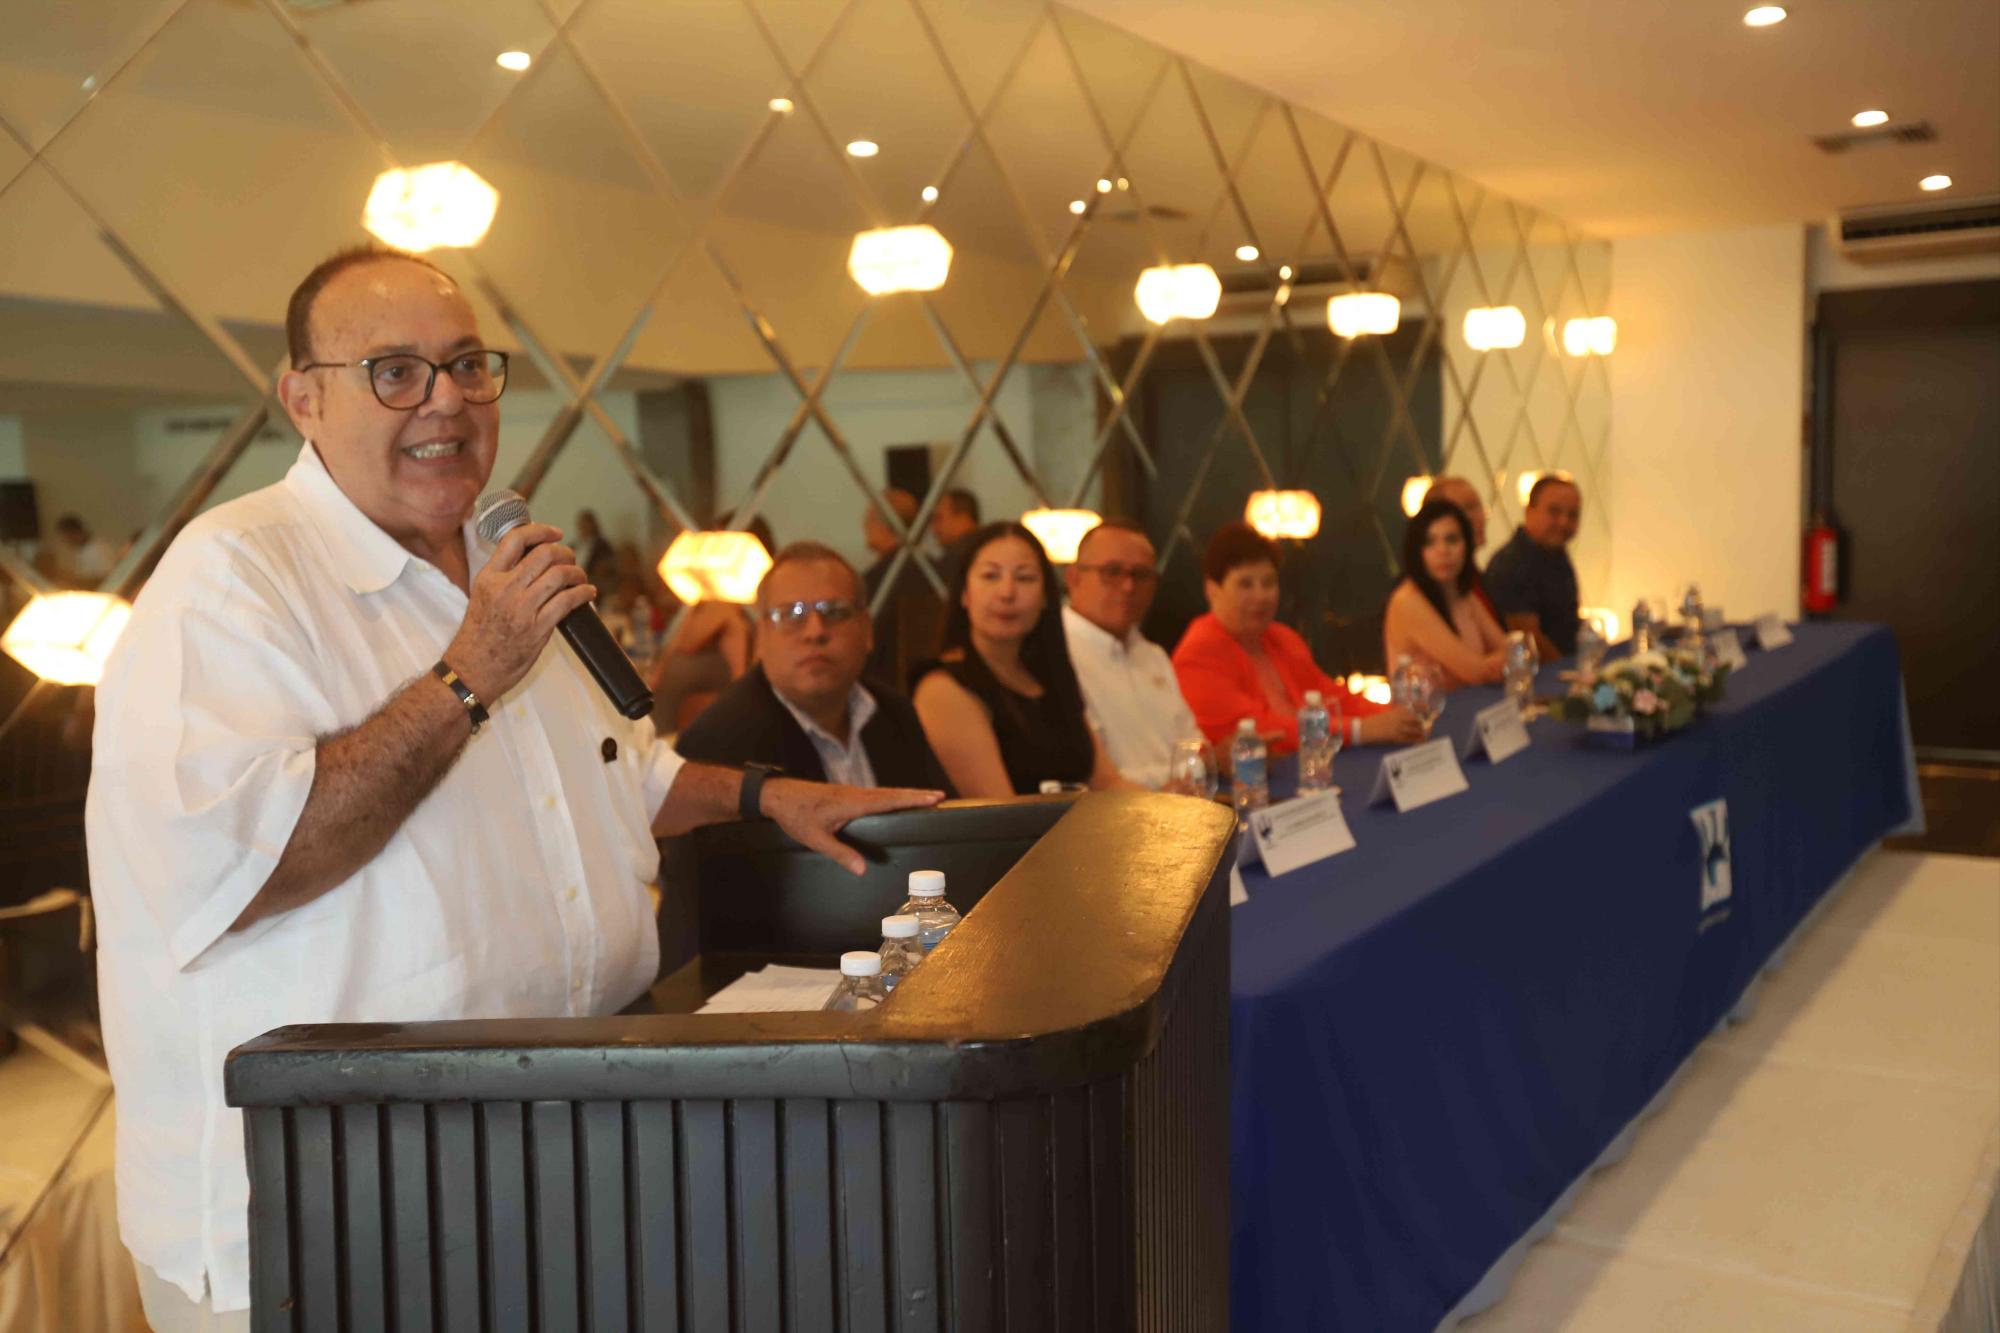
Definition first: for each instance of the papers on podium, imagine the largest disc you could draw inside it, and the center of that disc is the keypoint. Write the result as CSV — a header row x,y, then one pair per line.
x,y
774,988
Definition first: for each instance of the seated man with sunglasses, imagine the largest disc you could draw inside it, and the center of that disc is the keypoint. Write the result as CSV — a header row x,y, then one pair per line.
x,y
1129,688
802,709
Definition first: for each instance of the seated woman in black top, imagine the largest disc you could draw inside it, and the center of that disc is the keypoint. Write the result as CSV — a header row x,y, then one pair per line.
x,y
1002,707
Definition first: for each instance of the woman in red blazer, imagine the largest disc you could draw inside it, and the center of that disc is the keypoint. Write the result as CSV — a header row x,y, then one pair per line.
x,y
1238,661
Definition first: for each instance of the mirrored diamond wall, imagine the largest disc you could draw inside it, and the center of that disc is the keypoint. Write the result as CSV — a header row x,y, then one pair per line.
x,y
680,184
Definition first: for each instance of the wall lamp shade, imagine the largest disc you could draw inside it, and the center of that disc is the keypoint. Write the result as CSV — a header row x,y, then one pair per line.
x,y
1490,328
442,204
1282,515
715,566
1414,491
1604,618
1356,313
900,259
1060,531
1375,689
1178,291
65,637
1524,484
1590,337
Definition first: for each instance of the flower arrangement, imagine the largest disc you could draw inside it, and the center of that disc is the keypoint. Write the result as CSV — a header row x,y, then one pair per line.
x,y
1646,695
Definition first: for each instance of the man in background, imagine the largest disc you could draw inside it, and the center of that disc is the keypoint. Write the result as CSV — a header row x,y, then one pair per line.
x,y
891,655
1129,691
1530,579
953,523
75,558
802,708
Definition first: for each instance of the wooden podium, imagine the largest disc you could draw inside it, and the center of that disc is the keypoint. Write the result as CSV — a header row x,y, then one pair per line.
x,y
1032,1135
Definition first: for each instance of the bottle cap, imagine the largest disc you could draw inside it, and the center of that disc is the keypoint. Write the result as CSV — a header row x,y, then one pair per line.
x,y
861,963
927,883
902,926
1052,786
1247,726
1313,698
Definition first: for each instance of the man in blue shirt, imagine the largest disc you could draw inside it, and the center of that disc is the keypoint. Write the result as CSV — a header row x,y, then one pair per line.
x,y
1530,579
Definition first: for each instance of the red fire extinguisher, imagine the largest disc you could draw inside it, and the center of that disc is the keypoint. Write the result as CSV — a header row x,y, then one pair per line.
x,y
1822,566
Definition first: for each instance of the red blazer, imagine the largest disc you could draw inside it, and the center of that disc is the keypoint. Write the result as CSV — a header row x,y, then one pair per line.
x,y
1219,682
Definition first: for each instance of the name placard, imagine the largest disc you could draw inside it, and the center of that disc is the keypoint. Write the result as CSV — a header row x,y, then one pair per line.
x,y
1772,631
1300,831
1419,775
1728,649
1497,732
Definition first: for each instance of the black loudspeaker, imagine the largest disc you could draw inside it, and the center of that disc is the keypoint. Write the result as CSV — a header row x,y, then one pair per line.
x,y
20,520
909,468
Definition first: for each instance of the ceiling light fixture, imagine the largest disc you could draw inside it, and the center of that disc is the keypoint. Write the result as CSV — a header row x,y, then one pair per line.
x,y
1285,272
863,148
1763,16
1076,206
1489,328
1283,515
423,208
65,637
1590,337
782,105
1415,491
514,60
1246,253
1864,120
1124,184
930,194
900,259
1178,291
1103,186
1937,182
1060,531
1357,313
724,566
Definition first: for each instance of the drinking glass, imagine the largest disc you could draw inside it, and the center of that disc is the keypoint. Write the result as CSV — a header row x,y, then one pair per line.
x,y
1589,648
1192,771
1522,661
1417,687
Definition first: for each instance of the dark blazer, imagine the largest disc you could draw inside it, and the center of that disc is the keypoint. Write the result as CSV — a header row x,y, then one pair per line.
x,y
747,725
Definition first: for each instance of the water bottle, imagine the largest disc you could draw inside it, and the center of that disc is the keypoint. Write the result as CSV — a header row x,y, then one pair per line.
x,y
900,951
1317,745
936,918
1642,627
1248,764
1518,676
860,982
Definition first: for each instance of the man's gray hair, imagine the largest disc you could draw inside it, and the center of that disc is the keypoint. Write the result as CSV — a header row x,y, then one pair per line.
x,y
814,552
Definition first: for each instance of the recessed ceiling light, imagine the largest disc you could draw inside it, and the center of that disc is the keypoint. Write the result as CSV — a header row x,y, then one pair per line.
x,y
1103,186
1938,182
782,105
1763,16
1076,206
1868,119
863,148
1246,253
1124,184
1285,272
930,194
514,60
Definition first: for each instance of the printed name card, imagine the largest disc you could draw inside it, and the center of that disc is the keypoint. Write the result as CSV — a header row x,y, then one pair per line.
x,y
1772,631
1300,831
1728,649
1419,775
1497,732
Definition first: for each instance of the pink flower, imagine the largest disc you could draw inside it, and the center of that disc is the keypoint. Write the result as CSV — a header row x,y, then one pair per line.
x,y
1645,701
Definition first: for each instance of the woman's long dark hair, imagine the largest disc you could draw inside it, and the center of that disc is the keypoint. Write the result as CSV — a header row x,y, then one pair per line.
x,y
1045,651
1413,553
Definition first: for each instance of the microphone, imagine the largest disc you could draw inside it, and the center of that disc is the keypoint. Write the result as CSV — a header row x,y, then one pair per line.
x,y
498,513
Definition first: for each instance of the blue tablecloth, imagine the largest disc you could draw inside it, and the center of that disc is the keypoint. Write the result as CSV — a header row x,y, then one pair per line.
x,y
1436,1032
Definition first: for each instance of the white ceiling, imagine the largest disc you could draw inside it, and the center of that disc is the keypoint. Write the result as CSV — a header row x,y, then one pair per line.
x,y
1627,116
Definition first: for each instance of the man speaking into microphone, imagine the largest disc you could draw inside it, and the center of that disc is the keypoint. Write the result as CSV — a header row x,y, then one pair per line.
x,y
343,773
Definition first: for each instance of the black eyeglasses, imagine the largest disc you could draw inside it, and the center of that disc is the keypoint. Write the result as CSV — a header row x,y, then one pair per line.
x,y
403,382
790,617
1139,574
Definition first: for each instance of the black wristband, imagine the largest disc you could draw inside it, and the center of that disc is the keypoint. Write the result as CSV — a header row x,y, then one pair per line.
x,y
473,708
752,792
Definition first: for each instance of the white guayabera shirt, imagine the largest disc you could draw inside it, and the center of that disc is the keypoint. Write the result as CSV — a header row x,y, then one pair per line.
x,y
516,889
1133,698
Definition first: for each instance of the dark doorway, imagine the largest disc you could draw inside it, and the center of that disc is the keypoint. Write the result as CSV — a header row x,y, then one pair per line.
x,y
1911,473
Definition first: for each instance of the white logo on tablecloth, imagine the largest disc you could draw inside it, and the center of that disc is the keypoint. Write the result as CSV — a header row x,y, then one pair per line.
x,y
1711,825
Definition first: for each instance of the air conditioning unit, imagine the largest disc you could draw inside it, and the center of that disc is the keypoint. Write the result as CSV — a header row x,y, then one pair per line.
x,y
1920,231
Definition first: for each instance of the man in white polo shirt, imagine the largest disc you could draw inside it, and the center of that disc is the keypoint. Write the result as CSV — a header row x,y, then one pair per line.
x,y
1128,682
342,773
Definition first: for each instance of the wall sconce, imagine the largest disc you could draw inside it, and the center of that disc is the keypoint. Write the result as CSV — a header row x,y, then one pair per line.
x,y
1590,337
1489,328
1357,313
1607,621
1414,491
1280,515
1524,484
715,566
64,637
1375,689
1178,291
900,259
1060,531
442,204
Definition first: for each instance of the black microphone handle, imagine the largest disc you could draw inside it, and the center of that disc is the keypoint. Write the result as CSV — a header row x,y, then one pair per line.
x,y
606,662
